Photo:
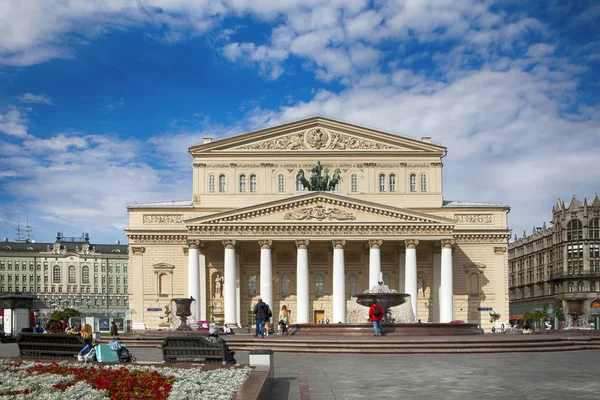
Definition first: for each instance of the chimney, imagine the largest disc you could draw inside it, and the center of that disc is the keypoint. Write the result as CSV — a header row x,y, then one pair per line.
x,y
426,139
206,140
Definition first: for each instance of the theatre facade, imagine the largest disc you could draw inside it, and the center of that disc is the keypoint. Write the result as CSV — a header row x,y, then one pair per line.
x,y
309,213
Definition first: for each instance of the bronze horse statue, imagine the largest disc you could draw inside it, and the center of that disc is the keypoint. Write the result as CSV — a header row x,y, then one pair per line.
x,y
337,178
300,177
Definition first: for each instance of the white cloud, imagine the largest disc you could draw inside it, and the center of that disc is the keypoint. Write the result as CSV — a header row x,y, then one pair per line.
x,y
13,123
540,50
31,98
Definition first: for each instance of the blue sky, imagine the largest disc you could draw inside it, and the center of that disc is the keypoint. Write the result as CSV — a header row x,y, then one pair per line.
x,y
99,100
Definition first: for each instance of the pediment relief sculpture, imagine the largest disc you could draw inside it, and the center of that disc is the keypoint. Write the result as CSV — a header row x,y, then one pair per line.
x,y
163,266
318,139
319,213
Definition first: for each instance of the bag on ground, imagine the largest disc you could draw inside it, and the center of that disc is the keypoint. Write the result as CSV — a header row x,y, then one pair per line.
x,y
126,356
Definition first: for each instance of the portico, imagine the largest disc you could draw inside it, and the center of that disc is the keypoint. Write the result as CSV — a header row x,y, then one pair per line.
x,y
335,209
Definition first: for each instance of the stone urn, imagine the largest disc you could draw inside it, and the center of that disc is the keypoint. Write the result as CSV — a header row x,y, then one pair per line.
x,y
183,311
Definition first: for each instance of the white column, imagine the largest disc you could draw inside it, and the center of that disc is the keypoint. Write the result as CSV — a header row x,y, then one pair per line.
x,y
203,286
339,282
374,262
446,283
410,273
229,285
238,295
194,277
302,289
435,290
266,273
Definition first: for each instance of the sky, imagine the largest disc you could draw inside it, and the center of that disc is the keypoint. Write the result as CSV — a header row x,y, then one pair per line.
x,y
100,99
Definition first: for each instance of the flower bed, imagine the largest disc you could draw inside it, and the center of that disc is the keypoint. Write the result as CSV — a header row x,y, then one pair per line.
x,y
39,381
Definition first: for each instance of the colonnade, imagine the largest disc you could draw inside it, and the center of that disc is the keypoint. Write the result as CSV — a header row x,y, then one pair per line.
x,y
442,272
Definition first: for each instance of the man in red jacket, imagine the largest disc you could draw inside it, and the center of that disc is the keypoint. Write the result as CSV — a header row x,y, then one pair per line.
x,y
375,315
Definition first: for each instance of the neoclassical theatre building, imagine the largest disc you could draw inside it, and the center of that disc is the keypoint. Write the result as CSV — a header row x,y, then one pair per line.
x,y
309,213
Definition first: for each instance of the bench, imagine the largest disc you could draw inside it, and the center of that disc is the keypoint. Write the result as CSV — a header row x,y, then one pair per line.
x,y
195,349
47,345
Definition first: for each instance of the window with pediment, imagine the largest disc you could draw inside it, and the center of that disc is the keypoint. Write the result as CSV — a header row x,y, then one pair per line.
x,y
423,178
211,183
382,183
413,182
85,274
253,183
222,183
319,285
354,183
280,183
392,183
252,284
285,285
242,183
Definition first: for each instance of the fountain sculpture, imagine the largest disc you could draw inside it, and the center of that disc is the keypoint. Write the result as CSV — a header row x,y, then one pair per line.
x,y
388,299
183,311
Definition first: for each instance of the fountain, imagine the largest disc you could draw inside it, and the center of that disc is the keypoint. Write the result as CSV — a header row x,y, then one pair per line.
x,y
388,299
183,311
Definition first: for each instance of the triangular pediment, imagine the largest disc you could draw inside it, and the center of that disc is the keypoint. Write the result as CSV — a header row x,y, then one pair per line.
x,y
320,208
315,135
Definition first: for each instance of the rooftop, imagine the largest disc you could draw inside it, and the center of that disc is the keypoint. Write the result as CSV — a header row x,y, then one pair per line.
x,y
164,204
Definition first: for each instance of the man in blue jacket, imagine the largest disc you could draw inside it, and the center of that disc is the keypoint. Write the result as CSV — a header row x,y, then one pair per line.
x,y
260,312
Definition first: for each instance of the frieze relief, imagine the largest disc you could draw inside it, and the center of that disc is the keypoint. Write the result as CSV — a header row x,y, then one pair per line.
x,y
319,213
318,139
319,230
163,218
475,219
157,239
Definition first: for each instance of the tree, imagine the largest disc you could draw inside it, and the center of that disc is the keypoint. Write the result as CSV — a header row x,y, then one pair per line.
x,y
494,316
65,314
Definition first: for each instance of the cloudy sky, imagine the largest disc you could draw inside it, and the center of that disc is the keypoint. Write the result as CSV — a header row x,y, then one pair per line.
x,y
99,99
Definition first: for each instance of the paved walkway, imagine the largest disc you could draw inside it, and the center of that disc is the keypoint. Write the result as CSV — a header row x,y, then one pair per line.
x,y
568,375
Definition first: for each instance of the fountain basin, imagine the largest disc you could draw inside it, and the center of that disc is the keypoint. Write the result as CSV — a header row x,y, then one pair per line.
x,y
398,329
385,300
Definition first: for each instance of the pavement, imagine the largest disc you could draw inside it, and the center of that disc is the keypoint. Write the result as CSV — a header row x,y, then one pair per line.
x,y
554,375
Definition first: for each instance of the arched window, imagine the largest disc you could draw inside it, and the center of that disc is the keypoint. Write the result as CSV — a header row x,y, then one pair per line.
x,y
413,182
354,183
386,280
280,183
72,274
352,285
299,186
253,183
392,183
252,284
580,286
474,284
222,184
319,285
382,183
85,275
211,183
574,230
242,183
56,274
592,286
595,228
423,183
285,285
570,287
164,284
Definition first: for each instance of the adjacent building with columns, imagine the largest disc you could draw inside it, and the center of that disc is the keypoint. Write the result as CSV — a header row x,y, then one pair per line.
x,y
252,229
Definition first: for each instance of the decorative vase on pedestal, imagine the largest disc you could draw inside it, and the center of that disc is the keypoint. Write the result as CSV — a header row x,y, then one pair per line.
x,y
183,311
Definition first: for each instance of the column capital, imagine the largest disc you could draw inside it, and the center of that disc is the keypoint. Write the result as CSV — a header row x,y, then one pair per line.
x,y
338,244
265,244
229,244
447,243
411,243
194,244
302,244
375,243
138,250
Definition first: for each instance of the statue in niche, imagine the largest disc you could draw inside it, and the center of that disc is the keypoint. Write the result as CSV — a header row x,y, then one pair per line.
x,y
420,287
218,283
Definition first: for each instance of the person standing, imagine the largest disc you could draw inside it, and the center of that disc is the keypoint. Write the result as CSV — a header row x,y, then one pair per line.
x,y
260,312
284,320
375,315
114,329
